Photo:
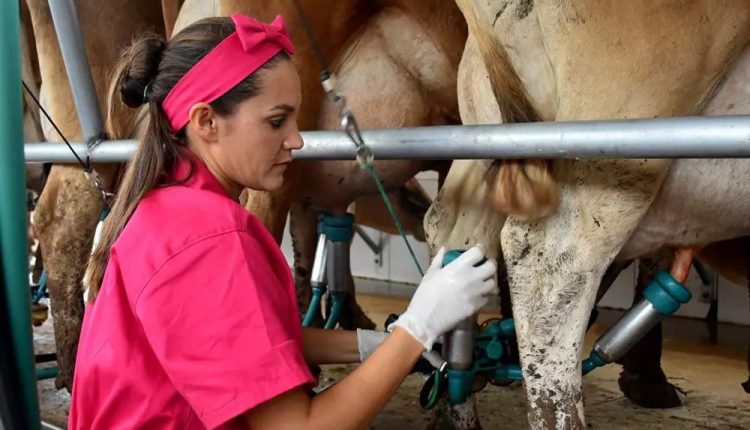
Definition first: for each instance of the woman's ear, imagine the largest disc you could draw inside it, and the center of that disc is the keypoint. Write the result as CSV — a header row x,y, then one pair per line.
x,y
202,119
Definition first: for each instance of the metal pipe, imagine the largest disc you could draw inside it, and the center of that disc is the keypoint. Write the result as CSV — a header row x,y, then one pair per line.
x,y
318,276
17,354
77,67
663,296
687,137
662,138
337,270
111,151
318,280
627,331
46,373
460,345
374,247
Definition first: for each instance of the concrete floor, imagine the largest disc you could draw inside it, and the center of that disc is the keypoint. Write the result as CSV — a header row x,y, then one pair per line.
x,y
709,375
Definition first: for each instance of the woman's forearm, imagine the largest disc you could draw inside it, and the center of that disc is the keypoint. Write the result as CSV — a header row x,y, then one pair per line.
x,y
375,382
329,346
350,404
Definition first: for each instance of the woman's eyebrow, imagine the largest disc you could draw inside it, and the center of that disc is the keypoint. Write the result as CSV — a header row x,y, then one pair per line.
x,y
283,107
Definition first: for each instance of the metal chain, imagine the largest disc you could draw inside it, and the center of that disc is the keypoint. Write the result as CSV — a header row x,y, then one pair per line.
x,y
91,175
96,181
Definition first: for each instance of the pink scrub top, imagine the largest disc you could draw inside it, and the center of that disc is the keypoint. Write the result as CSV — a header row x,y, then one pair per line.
x,y
196,320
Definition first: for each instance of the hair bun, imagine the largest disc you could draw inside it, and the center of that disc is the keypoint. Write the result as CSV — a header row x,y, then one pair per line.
x,y
143,58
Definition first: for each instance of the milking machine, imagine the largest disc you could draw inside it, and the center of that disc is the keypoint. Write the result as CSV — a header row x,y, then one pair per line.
x,y
475,356
330,272
472,357
661,299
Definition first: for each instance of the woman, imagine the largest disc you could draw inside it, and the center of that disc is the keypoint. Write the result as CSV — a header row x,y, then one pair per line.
x,y
194,322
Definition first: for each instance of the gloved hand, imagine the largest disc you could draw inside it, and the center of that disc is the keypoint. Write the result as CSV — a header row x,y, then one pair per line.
x,y
448,294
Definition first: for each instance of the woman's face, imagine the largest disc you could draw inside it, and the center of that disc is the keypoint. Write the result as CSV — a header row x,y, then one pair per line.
x,y
252,147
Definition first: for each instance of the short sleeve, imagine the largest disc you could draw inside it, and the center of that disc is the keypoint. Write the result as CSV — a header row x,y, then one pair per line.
x,y
221,324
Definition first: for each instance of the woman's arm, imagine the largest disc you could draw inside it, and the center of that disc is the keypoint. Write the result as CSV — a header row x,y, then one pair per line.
x,y
350,404
329,346
445,296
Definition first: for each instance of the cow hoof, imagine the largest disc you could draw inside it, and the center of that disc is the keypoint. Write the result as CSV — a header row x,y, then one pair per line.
x,y
652,393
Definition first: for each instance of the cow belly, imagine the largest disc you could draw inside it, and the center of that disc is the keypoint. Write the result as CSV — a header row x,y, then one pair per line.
x,y
701,201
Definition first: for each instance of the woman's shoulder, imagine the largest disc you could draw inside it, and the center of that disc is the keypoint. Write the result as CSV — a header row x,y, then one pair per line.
x,y
187,204
174,216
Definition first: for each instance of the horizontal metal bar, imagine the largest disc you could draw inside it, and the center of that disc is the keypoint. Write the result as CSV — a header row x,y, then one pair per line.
x,y
46,373
687,137
112,151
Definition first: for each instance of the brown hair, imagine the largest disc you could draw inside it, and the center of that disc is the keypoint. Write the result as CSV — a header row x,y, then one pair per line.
x,y
146,72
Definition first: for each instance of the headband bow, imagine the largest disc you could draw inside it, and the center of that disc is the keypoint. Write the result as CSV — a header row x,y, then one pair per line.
x,y
252,32
235,58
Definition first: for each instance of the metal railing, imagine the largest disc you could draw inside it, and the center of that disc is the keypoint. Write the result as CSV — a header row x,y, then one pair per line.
x,y
685,137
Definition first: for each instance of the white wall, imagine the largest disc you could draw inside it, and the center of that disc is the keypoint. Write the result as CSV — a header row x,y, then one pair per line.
x,y
397,266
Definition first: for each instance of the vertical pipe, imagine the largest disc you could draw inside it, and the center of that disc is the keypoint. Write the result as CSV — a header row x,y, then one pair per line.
x,y
77,66
337,267
17,357
460,344
318,278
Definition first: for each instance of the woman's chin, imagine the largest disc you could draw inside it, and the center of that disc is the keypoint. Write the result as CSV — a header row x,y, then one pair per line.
x,y
270,182
273,183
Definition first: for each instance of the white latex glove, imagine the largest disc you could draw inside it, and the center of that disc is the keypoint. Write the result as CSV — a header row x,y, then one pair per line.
x,y
448,294
368,341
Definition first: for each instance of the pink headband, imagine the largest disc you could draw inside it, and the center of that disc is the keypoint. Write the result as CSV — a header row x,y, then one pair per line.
x,y
234,59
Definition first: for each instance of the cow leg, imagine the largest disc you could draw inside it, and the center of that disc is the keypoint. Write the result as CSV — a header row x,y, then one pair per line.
x,y
65,219
746,384
642,379
272,208
551,312
303,229
506,306
555,266
353,317
458,417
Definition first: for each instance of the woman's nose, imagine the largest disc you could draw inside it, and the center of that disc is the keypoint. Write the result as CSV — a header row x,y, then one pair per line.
x,y
294,141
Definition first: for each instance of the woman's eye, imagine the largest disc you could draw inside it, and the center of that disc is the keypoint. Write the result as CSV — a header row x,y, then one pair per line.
x,y
276,123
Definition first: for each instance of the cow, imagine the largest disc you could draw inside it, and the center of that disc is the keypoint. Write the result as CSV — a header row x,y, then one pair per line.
x,y
558,225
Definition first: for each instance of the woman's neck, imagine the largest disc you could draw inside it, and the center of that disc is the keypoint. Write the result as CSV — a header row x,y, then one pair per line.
x,y
232,189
